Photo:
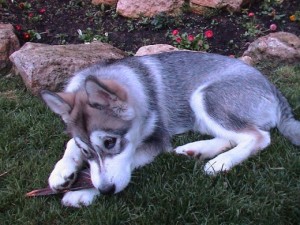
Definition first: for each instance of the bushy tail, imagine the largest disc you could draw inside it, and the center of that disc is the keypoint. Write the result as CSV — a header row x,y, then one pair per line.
x,y
288,125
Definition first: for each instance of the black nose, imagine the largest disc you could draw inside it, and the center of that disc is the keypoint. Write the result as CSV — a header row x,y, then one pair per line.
x,y
108,189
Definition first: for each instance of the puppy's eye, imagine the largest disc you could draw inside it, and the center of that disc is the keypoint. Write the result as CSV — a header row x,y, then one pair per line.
x,y
86,153
109,142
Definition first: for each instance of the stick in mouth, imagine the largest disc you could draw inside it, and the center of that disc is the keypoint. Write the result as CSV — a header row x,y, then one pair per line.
x,y
83,181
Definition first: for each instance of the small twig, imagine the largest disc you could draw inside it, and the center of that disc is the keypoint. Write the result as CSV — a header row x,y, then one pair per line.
x,y
83,181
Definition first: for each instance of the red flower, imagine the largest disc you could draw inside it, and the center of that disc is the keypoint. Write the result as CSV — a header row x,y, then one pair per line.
x,y
175,32
178,40
251,14
22,5
273,27
26,36
209,34
30,15
191,37
42,11
18,27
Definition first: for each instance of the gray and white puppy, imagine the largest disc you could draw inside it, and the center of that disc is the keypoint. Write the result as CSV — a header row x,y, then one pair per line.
x,y
122,114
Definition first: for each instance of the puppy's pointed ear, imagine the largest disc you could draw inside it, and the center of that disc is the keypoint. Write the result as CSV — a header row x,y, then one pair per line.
x,y
60,103
108,93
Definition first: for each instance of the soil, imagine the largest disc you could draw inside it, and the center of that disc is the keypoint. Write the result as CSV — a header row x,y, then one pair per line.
x,y
57,22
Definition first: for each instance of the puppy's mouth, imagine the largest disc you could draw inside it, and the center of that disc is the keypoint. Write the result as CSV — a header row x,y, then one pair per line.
x,y
108,189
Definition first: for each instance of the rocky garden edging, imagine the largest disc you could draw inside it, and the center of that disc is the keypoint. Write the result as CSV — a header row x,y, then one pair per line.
x,y
43,66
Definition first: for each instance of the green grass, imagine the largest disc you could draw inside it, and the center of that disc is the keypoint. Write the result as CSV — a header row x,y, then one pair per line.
x,y
173,190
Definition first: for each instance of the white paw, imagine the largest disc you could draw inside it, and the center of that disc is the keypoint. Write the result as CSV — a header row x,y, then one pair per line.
x,y
63,175
221,163
80,198
185,150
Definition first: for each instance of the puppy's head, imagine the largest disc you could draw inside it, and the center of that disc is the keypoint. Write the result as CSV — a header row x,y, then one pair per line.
x,y
99,118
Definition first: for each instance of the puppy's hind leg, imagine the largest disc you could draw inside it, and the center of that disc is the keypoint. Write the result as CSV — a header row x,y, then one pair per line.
x,y
247,144
218,115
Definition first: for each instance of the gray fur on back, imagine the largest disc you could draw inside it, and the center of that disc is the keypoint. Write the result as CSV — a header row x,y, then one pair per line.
x,y
236,95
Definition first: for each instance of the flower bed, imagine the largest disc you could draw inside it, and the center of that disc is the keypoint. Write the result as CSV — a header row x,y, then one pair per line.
x,y
59,22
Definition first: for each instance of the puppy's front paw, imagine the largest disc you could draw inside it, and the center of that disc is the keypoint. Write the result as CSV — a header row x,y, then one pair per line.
x,y
63,175
80,198
219,164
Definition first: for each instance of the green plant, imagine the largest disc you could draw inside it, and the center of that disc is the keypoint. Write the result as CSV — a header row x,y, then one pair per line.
x,y
32,18
268,5
24,5
160,21
75,4
130,25
253,28
214,22
62,38
146,41
163,20
3,4
113,12
186,7
94,16
33,35
210,12
189,41
88,36
102,7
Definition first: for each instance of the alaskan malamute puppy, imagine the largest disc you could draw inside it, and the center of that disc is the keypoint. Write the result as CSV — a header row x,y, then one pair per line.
x,y
122,114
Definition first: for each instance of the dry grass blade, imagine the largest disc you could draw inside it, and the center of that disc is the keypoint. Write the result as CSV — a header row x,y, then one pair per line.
x,y
2,174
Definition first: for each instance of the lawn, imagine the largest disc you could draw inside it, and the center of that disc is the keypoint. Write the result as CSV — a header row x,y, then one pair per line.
x,y
172,190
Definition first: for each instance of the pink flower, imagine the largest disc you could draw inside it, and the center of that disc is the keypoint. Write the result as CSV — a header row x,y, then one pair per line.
x,y
251,14
209,34
273,27
18,27
191,37
30,15
42,11
175,32
178,40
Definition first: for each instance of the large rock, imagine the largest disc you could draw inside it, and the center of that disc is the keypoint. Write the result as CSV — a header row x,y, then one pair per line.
x,y
9,43
199,6
105,2
279,47
155,49
49,66
148,8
